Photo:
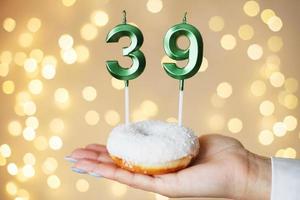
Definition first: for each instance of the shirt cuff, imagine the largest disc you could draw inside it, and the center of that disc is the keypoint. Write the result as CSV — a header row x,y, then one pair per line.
x,y
285,179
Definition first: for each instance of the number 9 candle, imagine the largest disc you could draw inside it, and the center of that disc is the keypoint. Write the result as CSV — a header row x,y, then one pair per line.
x,y
137,56
193,53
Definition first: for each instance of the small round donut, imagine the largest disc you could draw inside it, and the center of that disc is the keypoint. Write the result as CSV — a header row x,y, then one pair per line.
x,y
152,147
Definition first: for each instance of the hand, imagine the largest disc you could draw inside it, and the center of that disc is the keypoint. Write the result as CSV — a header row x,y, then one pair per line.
x,y
224,168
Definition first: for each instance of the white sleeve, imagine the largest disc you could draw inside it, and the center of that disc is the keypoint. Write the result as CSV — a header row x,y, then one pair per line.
x,y
285,179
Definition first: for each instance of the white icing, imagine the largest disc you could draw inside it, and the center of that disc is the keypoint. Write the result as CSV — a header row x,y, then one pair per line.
x,y
152,142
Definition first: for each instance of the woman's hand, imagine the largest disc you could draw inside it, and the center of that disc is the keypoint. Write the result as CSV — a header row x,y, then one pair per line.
x,y
224,168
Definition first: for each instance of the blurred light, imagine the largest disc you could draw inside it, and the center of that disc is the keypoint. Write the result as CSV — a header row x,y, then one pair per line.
x,y
117,84
83,53
266,137
37,54
154,6
171,120
11,188
266,108
277,79
6,57
29,108
99,18
69,56
216,122
228,42
29,159
53,182
251,8
49,60
290,101
22,195
68,3
32,122
8,87
40,143
275,43
9,24
15,128
258,88
35,86
224,90
28,171
82,185
49,165
149,108
89,32
65,41
255,52
20,58
61,95
30,65
89,93
291,122
12,169
291,85
91,117
25,39
235,125
275,24
55,142
217,101
48,71
5,150
160,197
204,65
286,153
34,24
246,32
118,189
279,129
216,23
4,69
2,161
29,133
57,125
266,15
112,117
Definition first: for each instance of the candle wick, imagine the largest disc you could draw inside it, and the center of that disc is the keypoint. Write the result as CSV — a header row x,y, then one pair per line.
x,y
184,17
124,17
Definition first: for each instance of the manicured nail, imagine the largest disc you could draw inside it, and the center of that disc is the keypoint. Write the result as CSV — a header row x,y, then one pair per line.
x,y
70,159
77,170
95,174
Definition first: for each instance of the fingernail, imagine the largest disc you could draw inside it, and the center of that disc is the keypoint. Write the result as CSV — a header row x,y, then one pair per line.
x,y
70,159
77,170
95,174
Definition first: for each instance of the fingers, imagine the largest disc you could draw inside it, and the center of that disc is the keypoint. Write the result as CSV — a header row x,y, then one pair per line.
x,y
111,171
99,155
97,147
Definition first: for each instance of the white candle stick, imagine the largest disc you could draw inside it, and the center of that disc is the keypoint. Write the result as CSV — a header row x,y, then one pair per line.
x,y
180,107
126,104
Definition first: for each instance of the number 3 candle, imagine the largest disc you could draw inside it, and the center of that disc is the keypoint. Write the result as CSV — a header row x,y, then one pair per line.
x,y
138,58
194,53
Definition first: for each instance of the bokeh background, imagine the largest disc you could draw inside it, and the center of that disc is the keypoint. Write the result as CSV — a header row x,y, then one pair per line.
x,y
56,94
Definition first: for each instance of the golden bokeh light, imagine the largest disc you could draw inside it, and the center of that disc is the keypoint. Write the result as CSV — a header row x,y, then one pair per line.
x,y
89,32
275,23
266,137
275,43
266,108
29,108
69,56
228,42
68,3
25,39
286,153
34,24
154,6
82,185
20,58
30,65
53,182
279,129
12,169
291,122
9,24
83,53
37,54
55,142
6,57
224,90
8,87
5,150
57,125
65,41
32,122
28,171
149,108
61,95
266,15
40,143
48,71
29,159
204,65
235,125
277,79
49,165
99,18
255,51
290,101
92,117
112,117
216,23
29,133
4,69
11,188
251,8
291,85
118,189
35,86
15,128
258,88
246,32
117,84
89,93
